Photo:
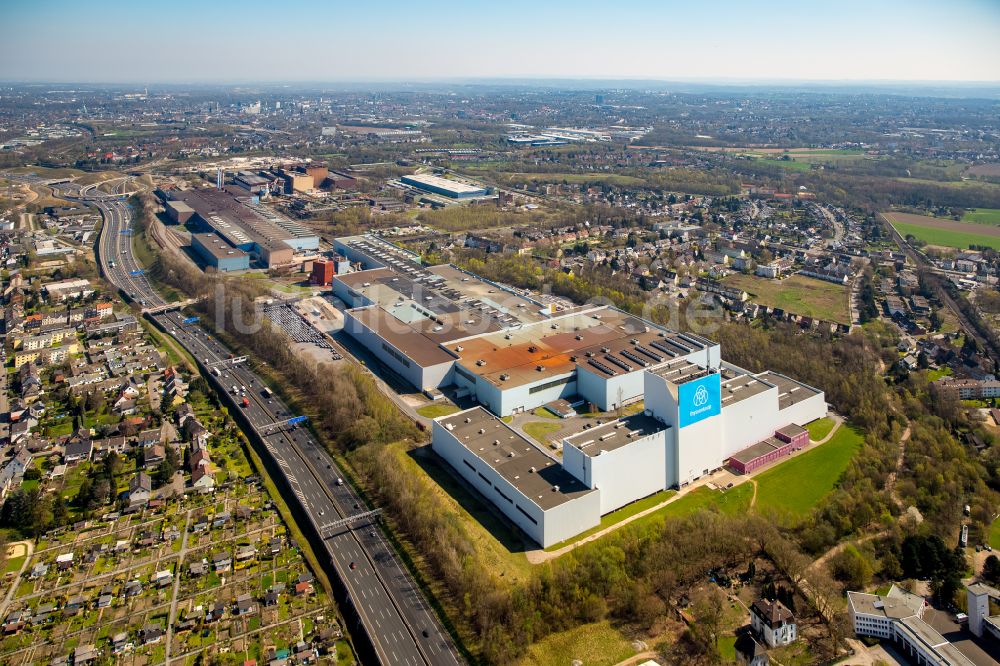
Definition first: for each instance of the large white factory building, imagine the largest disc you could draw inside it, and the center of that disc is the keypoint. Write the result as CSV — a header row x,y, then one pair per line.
x,y
511,352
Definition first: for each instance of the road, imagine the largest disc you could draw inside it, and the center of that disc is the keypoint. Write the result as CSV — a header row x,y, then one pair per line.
x,y
400,624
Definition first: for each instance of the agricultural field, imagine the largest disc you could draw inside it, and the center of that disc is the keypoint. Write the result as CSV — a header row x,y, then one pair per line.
x,y
982,216
797,294
945,232
985,170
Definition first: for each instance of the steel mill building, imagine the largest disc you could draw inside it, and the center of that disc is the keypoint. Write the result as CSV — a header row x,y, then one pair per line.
x,y
510,352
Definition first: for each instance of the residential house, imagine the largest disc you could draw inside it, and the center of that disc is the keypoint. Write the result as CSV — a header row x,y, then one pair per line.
x,y
773,622
139,488
78,450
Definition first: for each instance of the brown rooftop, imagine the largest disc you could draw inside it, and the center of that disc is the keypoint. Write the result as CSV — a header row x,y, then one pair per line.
x,y
604,341
404,337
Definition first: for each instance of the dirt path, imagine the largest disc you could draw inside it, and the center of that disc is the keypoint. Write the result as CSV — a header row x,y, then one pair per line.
x,y
890,482
639,658
753,500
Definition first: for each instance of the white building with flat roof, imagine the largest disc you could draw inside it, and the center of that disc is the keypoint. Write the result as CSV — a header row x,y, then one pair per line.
x,y
898,617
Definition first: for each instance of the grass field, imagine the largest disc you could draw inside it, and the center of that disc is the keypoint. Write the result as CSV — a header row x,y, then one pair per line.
x,y
945,232
615,517
727,648
435,411
797,294
794,487
597,644
540,430
982,216
790,165
820,428
995,534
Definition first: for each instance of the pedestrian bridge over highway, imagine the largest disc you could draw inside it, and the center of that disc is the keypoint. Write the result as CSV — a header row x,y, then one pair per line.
x,y
166,307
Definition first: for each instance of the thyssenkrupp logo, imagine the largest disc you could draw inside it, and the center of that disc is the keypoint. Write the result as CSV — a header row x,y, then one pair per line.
x,y
700,396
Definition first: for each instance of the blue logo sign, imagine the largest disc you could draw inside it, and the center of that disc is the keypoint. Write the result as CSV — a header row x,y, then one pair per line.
x,y
699,399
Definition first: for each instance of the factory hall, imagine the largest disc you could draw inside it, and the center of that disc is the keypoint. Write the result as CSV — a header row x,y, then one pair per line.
x,y
509,351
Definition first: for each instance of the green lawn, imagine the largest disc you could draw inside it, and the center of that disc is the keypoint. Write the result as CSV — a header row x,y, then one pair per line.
x,y
995,534
790,165
618,516
934,375
982,216
727,648
945,237
544,413
14,564
594,644
820,428
798,294
732,501
435,411
540,430
796,486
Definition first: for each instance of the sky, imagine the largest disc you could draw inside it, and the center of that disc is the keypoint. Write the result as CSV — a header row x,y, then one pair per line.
x,y
181,41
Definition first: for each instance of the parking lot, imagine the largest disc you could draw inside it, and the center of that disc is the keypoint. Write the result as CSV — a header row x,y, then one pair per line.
x,y
290,321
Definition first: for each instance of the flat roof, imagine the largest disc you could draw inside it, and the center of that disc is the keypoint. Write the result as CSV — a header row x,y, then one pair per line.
x,y
742,387
218,247
538,477
790,392
233,219
681,371
897,604
615,434
180,206
757,450
404,337
444,183
602,340
791,430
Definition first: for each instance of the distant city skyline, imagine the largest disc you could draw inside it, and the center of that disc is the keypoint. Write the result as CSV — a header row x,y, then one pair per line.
x,y
115,41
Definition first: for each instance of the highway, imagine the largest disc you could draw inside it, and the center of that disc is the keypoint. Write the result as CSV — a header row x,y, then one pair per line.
x,y
393,612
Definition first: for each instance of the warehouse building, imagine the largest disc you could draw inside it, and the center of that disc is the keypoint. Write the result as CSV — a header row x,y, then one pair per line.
x,y
453,189
511,352
696,419
531,489
219,254
178,212
271,240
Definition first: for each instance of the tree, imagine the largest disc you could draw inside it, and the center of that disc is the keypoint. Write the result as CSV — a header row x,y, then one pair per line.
x,y
852,568
168,467
991,569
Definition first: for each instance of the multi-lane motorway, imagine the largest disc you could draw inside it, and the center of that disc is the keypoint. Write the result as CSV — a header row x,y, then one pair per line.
x,y
392,611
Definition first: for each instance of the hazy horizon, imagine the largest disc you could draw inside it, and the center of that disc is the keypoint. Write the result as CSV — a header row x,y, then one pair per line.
x,y
722,42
